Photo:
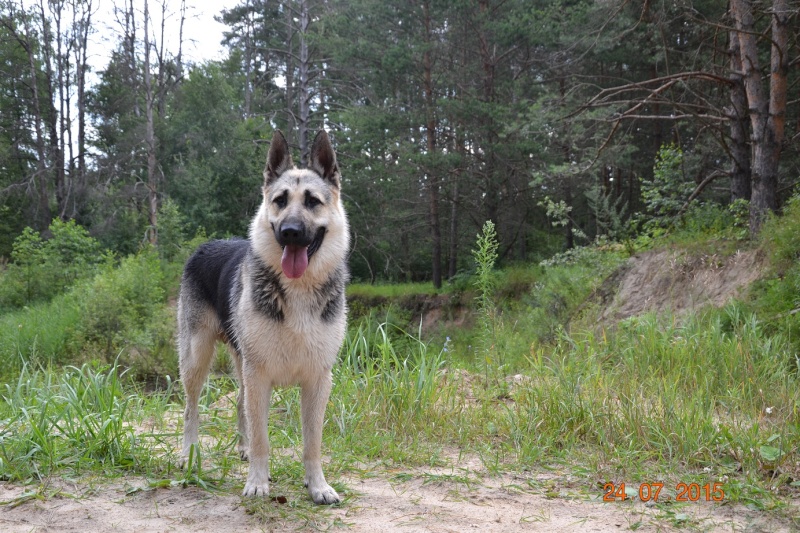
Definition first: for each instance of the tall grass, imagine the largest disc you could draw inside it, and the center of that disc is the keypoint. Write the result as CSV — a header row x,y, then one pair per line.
x,y
78,418
388,384
696,393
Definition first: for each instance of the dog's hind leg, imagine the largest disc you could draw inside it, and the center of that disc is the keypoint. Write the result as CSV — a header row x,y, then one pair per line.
x,y
241,414
314,398
196,354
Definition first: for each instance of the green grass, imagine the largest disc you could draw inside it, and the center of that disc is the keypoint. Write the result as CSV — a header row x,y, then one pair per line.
x,y
38,334
395,290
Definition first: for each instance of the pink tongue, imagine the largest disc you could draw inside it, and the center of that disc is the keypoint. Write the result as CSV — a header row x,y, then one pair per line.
x,y
294,261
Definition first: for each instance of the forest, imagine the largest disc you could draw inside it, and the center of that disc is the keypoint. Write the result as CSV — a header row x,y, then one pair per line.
x,y
562,121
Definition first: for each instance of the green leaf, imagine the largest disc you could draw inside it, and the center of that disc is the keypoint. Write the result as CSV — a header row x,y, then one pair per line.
x,y
770,453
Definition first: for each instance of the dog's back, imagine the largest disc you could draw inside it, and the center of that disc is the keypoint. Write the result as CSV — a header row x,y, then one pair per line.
x,y
210,283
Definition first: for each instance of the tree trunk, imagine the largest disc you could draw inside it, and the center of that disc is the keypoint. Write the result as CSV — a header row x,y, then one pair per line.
x,y
81,66
56,153
767,111
737,115
291,120
452,267
304,96
150,139
491,187
248,62
569,234
40,179
59,126
430,133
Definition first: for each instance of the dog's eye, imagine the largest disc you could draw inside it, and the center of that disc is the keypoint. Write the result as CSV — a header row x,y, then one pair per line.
x,y
281,200
311,201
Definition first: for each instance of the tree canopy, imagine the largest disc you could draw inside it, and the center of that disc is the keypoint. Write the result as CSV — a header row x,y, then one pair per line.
x,y
600,116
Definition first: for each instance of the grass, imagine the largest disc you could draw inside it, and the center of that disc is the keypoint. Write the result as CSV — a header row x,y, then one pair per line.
x,y
38,334
394,290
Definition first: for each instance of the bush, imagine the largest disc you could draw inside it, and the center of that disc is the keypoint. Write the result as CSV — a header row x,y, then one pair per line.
x,y
119,315
124,316
669,189
41,269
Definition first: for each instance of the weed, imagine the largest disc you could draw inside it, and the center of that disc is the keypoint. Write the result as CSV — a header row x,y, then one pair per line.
x,y
485,255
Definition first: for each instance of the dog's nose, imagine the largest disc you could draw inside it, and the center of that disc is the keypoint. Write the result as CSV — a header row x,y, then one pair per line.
x,y
292,232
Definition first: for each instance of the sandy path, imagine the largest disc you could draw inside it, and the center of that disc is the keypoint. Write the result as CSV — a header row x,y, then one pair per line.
x,y
416,501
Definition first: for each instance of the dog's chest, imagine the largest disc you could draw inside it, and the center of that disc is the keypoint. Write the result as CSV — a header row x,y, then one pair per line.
x,y
292,338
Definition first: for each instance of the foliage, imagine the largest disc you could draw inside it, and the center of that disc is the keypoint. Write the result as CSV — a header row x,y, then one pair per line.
x,y
171,231
665,194
119,315
39,334
124,317
776,295
609,212
43,268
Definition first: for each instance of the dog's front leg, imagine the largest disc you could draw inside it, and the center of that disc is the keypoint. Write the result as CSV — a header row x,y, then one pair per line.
x,y
257,395
314,398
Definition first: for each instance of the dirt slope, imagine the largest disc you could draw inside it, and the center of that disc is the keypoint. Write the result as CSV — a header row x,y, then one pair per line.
x,y
674,281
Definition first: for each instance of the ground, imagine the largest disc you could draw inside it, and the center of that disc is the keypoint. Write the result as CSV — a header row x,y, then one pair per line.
x,y
454,499
677,282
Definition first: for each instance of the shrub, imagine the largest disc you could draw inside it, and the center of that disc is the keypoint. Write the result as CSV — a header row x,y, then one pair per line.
x,y
42,268
666,193
124,316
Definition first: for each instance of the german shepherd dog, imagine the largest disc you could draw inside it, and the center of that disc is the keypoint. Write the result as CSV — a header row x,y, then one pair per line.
x,y
277,300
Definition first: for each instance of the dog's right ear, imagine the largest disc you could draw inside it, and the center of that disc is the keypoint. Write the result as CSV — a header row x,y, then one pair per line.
x,y
279,159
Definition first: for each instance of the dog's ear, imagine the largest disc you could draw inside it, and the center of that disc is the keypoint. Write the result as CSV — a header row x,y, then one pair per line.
x,y
323,158
279,159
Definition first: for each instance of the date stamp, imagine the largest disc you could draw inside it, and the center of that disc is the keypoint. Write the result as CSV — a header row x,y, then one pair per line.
x,y
652,492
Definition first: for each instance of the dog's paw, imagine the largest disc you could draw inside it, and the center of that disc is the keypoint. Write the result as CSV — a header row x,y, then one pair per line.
x,y
183,458
257,483
324,495
252,489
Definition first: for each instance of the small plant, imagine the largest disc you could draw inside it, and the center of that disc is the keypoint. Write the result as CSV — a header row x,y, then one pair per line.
x,y
666,193
485,256
609,213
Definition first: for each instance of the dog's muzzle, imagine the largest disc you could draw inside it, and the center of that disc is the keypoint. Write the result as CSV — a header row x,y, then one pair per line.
x,y
298,246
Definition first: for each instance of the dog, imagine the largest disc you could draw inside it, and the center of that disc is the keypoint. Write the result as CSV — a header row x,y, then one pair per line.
x,y
278,300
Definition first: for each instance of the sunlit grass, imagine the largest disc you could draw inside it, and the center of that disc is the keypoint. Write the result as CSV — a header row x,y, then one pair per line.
x,y
393,290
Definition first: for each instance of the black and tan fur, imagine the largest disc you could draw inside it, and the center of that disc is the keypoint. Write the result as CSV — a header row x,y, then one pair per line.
x,y
277,300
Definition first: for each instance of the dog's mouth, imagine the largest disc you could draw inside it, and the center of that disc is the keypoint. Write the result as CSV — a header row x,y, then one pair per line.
x,y
294,260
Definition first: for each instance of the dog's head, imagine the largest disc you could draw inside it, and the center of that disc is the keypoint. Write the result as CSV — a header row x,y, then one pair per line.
x,y
302,206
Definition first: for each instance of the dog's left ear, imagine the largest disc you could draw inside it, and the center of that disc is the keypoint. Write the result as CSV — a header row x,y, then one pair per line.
x,y
279,159
323,159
